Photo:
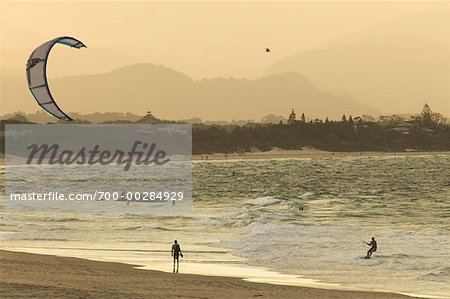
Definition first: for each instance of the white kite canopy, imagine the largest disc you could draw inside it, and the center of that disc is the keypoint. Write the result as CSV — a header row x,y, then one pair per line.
x,y
37,75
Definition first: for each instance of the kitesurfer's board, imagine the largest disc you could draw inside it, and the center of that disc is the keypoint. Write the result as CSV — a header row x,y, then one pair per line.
x,y
366,257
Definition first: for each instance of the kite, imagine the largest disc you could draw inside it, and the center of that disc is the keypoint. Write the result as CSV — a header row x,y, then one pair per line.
x,y
37,75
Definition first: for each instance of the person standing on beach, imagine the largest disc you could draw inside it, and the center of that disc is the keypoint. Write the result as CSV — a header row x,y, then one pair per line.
x,y
176,253
373,247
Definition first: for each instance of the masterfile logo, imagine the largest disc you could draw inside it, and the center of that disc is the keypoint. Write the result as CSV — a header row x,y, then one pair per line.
x,y
53,155
102,163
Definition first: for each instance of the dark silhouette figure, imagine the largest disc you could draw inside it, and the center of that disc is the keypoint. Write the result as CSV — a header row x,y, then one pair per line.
x,y
267,50
176,253
373,247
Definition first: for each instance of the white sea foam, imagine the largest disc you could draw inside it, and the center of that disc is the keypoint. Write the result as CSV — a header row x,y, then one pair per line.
x,y
311,249
307,194
263,201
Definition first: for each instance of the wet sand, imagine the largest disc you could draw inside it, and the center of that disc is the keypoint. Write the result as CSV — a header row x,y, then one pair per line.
x,y
26,275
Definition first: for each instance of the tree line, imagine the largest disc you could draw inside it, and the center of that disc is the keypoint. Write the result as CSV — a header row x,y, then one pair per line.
x,y
425,132
329,135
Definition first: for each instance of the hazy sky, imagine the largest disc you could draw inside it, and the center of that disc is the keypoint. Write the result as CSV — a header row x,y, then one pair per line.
x,y
201,39
209,39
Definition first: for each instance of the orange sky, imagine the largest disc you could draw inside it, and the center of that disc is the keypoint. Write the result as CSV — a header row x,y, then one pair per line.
x,y
210,39
201,39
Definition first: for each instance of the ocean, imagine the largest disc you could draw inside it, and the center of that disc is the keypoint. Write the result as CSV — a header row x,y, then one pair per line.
x,y
289,221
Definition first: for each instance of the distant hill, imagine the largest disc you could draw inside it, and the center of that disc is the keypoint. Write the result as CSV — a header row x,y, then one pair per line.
x,y
173,95
273,119
433,25
44,117
394,66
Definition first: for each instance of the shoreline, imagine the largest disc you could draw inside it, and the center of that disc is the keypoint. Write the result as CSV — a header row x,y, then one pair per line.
x,y
308,153
55,276
305,153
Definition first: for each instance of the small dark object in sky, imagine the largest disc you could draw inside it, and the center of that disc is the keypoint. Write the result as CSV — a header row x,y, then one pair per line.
x,y
267,50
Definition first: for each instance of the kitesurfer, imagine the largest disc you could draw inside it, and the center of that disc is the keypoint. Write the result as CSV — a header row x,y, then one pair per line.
x,y
373,247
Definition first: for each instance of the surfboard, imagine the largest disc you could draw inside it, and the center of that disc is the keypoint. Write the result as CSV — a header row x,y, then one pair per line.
x,y
366,257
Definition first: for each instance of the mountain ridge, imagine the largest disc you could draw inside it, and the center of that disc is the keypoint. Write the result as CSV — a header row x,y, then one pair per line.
x,y
173,95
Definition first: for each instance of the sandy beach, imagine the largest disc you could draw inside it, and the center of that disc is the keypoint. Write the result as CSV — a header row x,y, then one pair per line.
x,y
26,275
306,153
